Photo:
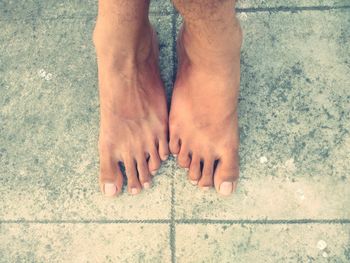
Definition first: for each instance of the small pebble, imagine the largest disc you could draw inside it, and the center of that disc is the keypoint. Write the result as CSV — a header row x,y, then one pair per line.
x,y
48,76
263,159
289,164
300,193
243,16
42,73
321,244
325,254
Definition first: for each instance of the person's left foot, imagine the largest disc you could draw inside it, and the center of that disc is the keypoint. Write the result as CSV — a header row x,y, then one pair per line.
x,y
204,118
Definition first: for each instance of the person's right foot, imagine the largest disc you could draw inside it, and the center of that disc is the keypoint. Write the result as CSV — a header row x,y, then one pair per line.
x,y
133,110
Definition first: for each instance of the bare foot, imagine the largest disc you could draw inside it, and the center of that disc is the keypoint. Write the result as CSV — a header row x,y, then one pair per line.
x,y
133,111
204,118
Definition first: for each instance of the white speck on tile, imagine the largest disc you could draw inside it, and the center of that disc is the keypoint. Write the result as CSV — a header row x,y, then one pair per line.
x,y
263,159
42,73
325,254
48,76
289,165
321,244
300,194
243,16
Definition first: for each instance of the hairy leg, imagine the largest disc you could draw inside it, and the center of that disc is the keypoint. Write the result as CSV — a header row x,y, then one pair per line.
x,y
133,111
203,118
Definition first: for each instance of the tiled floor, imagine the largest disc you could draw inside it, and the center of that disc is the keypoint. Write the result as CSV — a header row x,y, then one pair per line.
x,y
294,192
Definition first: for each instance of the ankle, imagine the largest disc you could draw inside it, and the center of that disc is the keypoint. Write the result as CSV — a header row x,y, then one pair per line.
x,y
219,45
118,43
213,41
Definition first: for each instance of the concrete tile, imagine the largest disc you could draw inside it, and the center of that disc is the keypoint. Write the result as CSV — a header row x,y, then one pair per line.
x,y
18,9
262,243
272,197
49,114
84,243
50,9
294,107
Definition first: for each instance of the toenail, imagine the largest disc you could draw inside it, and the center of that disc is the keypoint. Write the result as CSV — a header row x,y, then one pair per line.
x,y
234,186
165,157
146,185
226,188
134,191
205,188
154,172
194,182
175,155
110,189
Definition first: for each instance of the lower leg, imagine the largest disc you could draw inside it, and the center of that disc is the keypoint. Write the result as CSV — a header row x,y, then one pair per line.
x,y
133,112
210,28
203,117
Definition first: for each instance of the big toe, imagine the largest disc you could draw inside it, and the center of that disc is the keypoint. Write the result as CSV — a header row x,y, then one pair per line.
x,y
226,178
111,179
110,189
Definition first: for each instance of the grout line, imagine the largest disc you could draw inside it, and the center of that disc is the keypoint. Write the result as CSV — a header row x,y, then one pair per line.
x,y
172,225
87,221
173,221
172,12
264,221
290,9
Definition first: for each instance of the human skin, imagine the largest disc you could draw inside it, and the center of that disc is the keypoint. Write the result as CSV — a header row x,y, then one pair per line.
x,y
203,122
204,116
133,110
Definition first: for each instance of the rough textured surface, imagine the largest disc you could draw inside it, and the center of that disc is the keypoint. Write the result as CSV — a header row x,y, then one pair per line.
x,y
84,243
259,243
49,116
295,145
294,128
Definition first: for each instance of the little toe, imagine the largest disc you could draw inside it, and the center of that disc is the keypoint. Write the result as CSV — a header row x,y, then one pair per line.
x,y
144,176
206,180
194,172
153,162
163,148
134,186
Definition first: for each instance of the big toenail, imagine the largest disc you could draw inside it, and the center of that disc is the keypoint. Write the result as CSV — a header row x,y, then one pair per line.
x,y
146,185
194,182
226,188
134,191
110,189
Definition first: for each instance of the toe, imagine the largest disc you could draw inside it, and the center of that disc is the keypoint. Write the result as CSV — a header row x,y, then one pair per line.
x,y
163,148
144,176
134,186
183,158
153,162
194,173
174,145
111,177
206,180
226,176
